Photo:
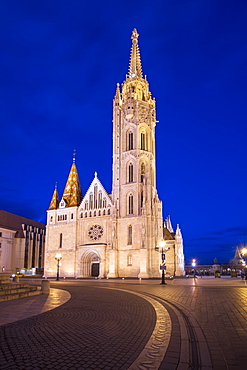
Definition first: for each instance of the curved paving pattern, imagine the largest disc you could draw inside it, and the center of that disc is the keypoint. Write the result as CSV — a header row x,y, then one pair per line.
x,y
155,349
30,306
109,329
95,329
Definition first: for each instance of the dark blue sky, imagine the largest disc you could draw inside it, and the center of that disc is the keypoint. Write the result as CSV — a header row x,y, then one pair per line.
x,y
60,62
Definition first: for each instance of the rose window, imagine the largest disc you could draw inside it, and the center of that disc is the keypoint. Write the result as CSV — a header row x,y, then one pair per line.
x,y
95,232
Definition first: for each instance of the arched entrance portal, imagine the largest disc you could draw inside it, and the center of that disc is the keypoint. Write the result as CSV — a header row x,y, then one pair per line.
x,y
90,264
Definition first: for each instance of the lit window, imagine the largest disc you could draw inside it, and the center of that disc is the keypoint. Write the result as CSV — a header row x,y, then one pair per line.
x,y
129,260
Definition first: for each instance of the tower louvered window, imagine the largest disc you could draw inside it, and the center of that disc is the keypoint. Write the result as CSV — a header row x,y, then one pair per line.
x,y
130,205
142,171
143,141
130,141
130,173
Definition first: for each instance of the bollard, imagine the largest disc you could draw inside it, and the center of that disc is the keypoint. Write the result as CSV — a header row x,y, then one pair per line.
x,y
16,279
45,287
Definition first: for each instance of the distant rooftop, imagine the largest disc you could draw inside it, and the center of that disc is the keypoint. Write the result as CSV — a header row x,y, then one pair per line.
x,y
14,222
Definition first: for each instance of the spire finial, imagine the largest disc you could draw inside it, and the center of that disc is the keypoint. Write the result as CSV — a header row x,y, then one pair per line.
x,y
135,34
74,155
56,185
95,174
135,68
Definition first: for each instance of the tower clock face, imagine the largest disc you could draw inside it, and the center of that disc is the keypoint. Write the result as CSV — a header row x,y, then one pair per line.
x,y
95,232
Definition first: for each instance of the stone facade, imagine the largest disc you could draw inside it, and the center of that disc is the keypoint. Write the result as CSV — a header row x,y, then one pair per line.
x,y
22,244
118,234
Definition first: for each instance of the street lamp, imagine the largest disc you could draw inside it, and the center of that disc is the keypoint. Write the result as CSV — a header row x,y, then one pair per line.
x,y
58,258
244,252
193,264
163,257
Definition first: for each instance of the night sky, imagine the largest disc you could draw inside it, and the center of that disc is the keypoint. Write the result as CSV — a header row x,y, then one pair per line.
x,y
59,65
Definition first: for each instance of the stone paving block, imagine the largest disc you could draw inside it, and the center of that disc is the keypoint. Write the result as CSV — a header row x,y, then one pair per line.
x,y
219,310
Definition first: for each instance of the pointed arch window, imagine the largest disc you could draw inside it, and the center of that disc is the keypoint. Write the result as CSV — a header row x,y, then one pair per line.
x,y
91,201
143,141
130,204
142,171
130,172
129,235
100,199
95,196
130,141
141,196
60,240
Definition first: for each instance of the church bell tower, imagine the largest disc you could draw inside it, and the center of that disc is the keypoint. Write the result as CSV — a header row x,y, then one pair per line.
x,y
134,169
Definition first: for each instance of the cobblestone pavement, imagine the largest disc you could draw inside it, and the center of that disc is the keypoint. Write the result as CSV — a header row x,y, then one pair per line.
x,y
95,329
101,328
11,311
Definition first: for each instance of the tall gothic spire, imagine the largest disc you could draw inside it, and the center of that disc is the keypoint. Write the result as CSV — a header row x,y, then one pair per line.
x,y
135,68
72,193
55,199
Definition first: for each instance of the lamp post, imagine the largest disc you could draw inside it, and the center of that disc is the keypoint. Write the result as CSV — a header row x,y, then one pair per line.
x,y
193,264
244,253
163,257
58,258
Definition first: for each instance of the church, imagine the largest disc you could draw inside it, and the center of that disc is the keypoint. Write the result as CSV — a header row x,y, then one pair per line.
x,y
122,234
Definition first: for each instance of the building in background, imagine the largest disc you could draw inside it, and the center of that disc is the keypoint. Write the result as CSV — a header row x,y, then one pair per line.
x,y
121,234
22,243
